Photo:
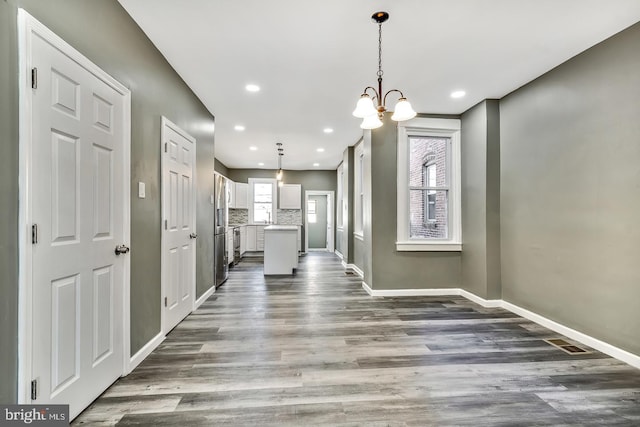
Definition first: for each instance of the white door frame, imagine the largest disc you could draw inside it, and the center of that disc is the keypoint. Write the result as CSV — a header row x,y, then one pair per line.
x,y
29,27
330,218
166,123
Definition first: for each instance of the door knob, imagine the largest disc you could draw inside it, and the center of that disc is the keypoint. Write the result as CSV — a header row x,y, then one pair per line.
x,y
193,235
121,249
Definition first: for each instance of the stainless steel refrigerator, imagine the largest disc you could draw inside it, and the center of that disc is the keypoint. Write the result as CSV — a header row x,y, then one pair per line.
x,y
220,226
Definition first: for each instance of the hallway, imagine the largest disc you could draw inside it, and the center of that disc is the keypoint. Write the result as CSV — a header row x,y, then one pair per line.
x,y
315,349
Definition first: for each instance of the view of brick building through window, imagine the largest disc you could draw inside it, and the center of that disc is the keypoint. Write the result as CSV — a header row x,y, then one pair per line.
x,y
429,187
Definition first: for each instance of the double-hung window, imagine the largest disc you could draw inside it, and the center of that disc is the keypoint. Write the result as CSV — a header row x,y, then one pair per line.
x,y
429,185
262,194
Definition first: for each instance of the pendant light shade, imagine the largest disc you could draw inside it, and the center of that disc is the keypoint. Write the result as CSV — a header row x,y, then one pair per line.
x,y
403,111
364,107
279,175
371,122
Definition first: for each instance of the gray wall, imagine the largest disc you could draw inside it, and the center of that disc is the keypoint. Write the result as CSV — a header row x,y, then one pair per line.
x,y
570,180
481,200
9,203
221,168
319,180
105,33
390,269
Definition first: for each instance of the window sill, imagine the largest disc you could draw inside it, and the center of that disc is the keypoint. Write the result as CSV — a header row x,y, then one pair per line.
x,y
428,247
359,236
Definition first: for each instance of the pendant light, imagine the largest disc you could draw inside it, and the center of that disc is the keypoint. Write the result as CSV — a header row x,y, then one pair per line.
x,y
371,114
279,174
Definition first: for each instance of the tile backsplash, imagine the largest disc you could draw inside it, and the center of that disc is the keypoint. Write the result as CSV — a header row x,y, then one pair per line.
x,y
285,216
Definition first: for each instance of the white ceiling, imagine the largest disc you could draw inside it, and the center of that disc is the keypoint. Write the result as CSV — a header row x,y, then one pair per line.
x,y
313,59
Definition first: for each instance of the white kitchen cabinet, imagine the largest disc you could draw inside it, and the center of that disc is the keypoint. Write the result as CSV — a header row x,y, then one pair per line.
x,y
243,239
291,196
259,237
230,245
231,194
241,196
280,254
251,238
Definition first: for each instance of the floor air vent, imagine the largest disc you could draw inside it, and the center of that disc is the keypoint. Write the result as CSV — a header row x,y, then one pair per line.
x,y
349,273
566,346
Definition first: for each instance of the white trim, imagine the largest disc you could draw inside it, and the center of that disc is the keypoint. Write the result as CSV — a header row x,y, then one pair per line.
x,y
145,351
410,292
274,198
168,124
438,127
27,27
355,269
204,297
488,303
358,236
602,346
430,246
330,220
338,254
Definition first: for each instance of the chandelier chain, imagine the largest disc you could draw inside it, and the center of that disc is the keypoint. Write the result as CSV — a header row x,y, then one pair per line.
x,y
380,72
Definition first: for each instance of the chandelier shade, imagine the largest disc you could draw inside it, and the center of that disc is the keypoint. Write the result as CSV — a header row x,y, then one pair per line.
x,y
371,122
364,107
403,111
366,110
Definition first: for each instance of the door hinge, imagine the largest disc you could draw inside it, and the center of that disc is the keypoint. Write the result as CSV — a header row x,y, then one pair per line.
x,y
34,78
34,390
165,301
34,234
165,147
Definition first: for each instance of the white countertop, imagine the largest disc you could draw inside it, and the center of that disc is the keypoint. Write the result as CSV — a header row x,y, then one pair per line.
x,y
281,228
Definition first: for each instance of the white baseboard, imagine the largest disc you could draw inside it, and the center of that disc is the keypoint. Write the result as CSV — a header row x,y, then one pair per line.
x,y
604,347
145,351
409,292
338,254
204,297
354,268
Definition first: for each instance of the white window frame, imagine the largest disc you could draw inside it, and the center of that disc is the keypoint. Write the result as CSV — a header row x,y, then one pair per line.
x,y
422,126
358,160
274,197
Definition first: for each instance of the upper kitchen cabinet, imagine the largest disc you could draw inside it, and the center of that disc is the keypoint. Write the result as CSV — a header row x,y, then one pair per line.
x,y
291,196
241,196
231,194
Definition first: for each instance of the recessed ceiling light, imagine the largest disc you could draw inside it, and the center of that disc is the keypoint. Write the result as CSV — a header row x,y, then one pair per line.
x,y
320,150
253,148
252,88
316,164
328,130
239,128
260,164
458,94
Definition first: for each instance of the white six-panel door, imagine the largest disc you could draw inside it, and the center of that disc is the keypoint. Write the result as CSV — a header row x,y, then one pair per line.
x,y
178,235
79,214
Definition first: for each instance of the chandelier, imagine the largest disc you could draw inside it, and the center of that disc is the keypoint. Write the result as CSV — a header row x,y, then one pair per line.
x,y
371,115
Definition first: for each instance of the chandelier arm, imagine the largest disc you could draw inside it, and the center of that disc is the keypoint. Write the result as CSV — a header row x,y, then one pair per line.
x,y
392,90
377,94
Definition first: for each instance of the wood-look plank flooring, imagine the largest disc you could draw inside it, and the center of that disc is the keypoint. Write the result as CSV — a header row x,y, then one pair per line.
x,y
315,349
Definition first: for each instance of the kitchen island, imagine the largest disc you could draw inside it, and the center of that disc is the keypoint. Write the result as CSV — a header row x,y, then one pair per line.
x,y
280,249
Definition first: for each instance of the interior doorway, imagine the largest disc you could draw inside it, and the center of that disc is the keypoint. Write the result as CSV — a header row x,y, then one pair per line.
x,y
319,216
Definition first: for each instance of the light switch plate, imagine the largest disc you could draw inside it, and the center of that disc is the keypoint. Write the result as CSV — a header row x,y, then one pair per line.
x,y
141,190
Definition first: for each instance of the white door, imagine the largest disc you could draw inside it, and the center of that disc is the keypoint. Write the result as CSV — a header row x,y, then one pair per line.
x,y
178,240
79,162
